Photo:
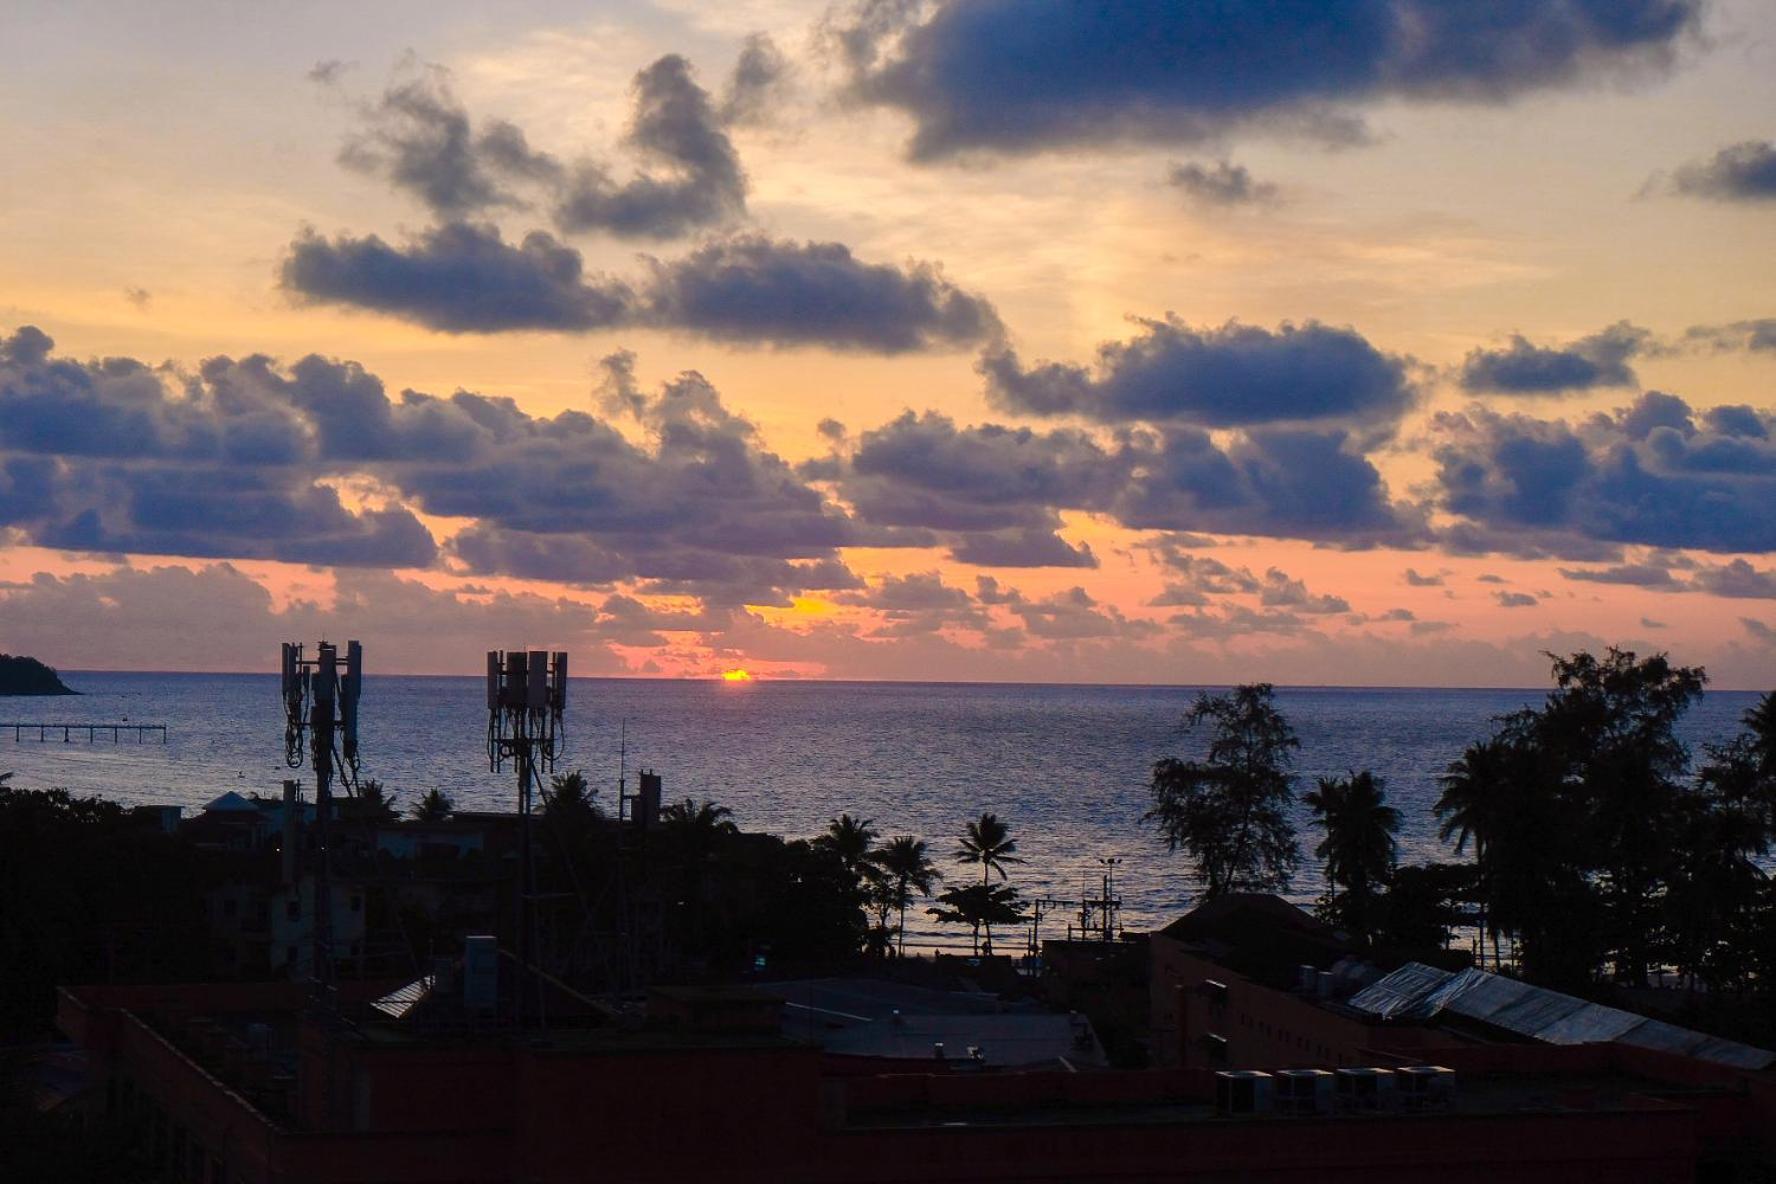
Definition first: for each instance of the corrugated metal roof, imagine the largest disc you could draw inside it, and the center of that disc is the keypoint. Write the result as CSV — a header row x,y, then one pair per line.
x,y
396,1004
1417,991
1396,995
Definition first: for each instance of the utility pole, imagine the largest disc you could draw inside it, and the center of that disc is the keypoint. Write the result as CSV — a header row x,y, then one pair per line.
x,y
526,695
321,701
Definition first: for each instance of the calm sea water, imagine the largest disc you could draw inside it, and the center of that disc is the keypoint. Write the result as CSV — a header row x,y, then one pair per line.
x,y
1065,766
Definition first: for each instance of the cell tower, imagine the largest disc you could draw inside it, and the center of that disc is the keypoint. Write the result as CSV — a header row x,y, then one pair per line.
x,y
321,700
526,695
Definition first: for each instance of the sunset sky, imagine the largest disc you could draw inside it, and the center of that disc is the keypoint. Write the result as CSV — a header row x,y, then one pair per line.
x,y
1370,342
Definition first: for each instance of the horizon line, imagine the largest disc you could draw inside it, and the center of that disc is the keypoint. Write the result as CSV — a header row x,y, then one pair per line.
x,y
938,682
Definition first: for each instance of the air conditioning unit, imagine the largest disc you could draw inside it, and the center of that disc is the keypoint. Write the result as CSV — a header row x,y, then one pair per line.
x,y
1426,1087
1304,1091
480,976
1242,1092
1361,1089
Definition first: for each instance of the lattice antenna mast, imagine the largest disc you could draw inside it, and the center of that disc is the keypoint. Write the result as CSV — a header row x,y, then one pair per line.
x,y
321,706
526,696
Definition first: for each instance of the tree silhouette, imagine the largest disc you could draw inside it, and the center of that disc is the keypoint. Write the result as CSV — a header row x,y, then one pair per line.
x,y
1474,790
906,865
979,905
988,842
434,806
852,840
1607,737
372,805
1358,848
569,798
1230,812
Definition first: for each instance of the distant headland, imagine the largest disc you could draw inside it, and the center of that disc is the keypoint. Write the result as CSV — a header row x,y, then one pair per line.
x,y
28,676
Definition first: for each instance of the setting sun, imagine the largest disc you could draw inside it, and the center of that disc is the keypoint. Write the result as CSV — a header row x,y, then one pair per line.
x,y
736,676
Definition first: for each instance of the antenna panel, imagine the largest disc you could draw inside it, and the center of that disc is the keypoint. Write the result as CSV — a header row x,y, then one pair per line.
x,y
515,679
558,699
493,680
537,686
326,676
348,699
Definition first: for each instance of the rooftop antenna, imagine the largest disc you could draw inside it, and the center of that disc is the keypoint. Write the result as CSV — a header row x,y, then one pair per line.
x,y
321,704
526,695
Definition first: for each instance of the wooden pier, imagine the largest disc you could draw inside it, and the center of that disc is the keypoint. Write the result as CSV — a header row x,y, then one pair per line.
x,y
89,733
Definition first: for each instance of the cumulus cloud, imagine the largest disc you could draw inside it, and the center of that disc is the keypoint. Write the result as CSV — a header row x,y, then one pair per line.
x,y
1417,579
101,456
1018,76
1194,580
1756,335
1514,599
923,470
1281,590
1743,172
1737,579
1234,376
916,604
1223,185
418,136
245,458
675,126
1635,575
1277,483
225,620
457,278
1522,368
991,492
1028,547
754,290
757,86
746,290
1074,615
1647,473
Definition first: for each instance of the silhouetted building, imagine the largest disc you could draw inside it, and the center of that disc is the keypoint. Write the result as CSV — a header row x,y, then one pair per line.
x,y
414,1082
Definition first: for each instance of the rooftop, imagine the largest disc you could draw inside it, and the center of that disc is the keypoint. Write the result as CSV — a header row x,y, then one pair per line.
x,y
1420,992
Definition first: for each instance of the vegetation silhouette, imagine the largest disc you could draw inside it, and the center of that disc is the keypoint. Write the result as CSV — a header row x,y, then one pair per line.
x,y
433,806
906,866
1230,812
1358,848
987,842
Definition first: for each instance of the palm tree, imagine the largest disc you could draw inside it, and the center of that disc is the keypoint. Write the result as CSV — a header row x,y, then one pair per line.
x,y
434,806
1359,847
852,841
569,796
693,831
1473,788
906,863
698,818
988,842
374,804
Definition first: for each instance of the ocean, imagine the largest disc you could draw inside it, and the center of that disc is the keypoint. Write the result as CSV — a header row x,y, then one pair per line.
x,y
1065,766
